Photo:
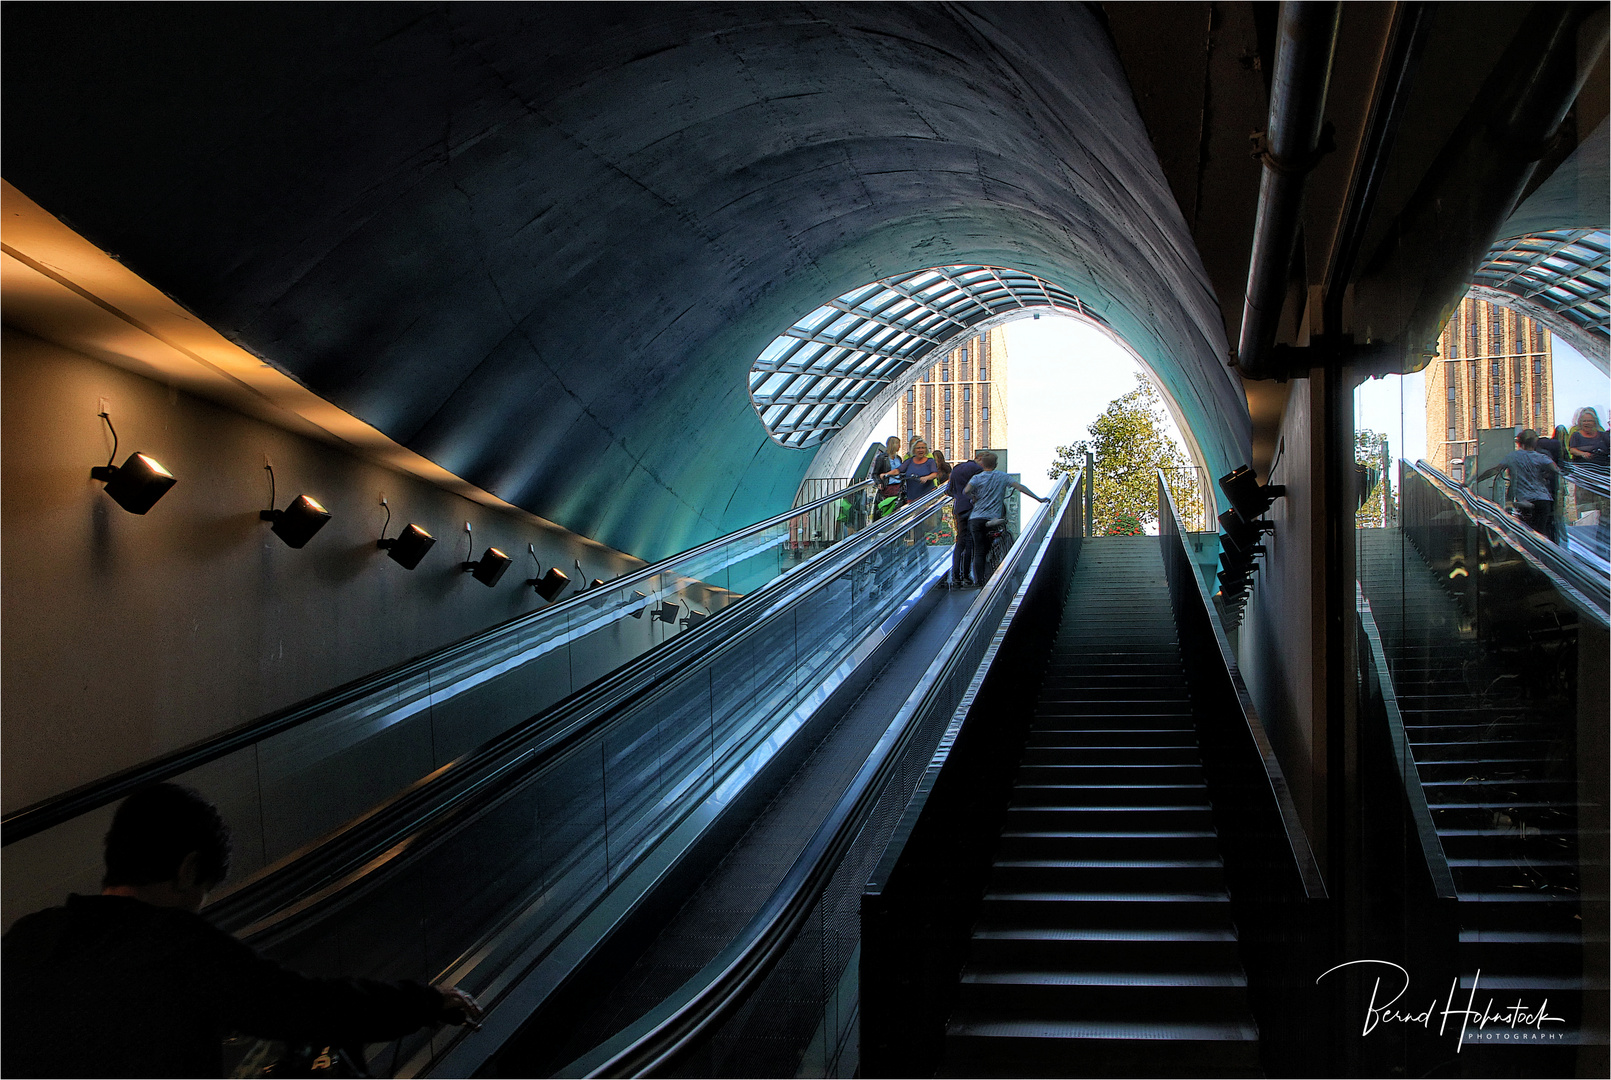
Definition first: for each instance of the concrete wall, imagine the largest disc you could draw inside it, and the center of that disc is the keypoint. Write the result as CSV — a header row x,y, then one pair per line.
x,y
1281,644
127,636
515,239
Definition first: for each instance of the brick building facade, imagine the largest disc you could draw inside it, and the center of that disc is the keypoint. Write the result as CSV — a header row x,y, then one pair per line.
x,y
1494,370
959,405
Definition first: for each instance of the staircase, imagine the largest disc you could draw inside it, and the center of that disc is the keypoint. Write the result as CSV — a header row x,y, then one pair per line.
x,y
1105,945
1493,744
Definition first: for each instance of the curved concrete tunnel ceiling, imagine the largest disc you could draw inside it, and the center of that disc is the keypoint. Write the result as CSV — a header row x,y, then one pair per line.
x,y
542,246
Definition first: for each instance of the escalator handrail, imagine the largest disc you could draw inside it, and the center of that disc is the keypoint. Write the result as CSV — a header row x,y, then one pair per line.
x,y
661,1037
1589,593
1432,854
306,884
1303,856
1593,477
52,811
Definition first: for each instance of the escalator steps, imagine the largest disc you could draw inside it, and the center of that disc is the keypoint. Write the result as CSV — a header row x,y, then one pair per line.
x,y
1105,944
1489,758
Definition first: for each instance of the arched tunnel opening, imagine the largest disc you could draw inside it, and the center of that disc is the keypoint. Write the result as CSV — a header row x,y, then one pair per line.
x,y
440,436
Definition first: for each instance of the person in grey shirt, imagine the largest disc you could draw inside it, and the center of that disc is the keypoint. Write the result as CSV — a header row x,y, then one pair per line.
x,y
988,490
1532,481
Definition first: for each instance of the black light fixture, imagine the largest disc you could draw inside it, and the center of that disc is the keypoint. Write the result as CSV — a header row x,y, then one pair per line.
x,y
138,483
297,523
638,612
1242,533
694,618
408,547
667,612
490,567
548,585
1241,487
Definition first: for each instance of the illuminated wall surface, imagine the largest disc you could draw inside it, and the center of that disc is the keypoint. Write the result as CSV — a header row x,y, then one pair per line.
x,y
544,254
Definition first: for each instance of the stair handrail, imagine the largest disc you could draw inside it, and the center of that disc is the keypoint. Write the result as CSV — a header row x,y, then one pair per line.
x,y
1426,833
1176,555
1588,593
661,1037
64,806
1593,477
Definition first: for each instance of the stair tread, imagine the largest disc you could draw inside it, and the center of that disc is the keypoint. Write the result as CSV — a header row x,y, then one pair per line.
x,y
1108,1029
1021,977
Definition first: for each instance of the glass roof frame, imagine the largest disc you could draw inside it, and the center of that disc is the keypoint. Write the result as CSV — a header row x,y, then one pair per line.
x,y
820,372
1562,277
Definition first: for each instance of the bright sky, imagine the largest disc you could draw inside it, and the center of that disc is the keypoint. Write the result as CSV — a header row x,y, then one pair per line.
x,y
1061,374
1397,404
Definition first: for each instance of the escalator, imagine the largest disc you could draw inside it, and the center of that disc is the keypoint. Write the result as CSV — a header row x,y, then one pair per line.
x,y
530,868
1485,653
293,780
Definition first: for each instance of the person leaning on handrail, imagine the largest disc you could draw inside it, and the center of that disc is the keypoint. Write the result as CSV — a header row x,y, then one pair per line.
x,y
1531,482
1589,444
134,982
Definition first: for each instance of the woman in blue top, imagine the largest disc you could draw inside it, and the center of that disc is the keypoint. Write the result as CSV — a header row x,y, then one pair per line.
x,y
919,473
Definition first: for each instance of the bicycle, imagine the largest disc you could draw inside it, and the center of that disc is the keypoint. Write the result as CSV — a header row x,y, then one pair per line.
x,y
1000,541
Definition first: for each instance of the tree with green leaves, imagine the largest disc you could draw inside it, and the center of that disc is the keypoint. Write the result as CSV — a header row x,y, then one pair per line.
x,y
1370,459
1128,442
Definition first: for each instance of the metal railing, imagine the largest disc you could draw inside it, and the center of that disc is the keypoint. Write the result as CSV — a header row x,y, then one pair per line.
x,y
1585,587
1278,898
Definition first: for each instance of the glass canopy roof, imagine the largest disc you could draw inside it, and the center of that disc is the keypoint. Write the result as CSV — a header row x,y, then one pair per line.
x,y
821,371
1559,277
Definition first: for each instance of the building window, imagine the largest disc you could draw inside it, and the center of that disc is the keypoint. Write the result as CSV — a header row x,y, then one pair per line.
x,y
1451,391
911,395
948,395
967,436
984,375
947,441
967,394
948,411
962,354
1454,335
984,414
1473,349
1451,435
928,416
945,372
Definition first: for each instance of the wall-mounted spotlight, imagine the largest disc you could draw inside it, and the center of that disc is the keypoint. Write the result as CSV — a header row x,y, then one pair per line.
x,y
667,612
297,523
694,618
138,483
408,547
1242,488
548,585
490,567
1242,533
639,612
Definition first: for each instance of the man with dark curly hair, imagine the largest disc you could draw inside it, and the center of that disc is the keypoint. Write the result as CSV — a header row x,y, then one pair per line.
x,y
134,982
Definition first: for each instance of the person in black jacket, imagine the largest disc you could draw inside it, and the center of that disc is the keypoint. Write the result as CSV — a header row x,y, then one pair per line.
x,y
134,982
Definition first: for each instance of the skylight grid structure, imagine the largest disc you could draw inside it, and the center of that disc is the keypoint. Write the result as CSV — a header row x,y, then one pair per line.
x,y
820,372
1559,278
